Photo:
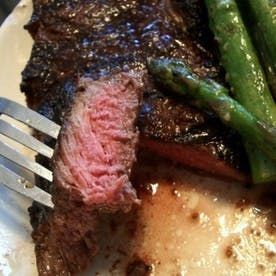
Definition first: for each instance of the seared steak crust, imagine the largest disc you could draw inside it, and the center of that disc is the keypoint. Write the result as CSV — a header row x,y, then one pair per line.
x,y
186,135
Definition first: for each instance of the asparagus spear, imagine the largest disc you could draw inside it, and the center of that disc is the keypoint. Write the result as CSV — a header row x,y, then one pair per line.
x,y
245,76
260,17
210,94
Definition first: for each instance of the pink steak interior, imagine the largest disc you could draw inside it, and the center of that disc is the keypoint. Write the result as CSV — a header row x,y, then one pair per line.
x,y
97,145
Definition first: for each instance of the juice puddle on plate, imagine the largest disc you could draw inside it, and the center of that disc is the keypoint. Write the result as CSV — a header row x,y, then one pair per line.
x,y
189,224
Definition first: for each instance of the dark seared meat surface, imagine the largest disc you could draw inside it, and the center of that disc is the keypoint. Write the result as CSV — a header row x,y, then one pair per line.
x,y
95,38
189,137
90,38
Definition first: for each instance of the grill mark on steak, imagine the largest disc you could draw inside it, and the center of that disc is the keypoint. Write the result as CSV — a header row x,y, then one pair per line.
x,y
98,38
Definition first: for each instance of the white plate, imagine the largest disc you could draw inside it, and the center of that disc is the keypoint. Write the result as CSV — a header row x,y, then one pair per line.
x,y
190,227
16,248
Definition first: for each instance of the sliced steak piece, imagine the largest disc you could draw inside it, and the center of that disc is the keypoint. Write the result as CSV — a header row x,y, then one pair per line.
x,y
97,144
92,165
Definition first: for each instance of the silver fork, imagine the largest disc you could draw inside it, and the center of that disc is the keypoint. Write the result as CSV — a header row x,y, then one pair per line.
x,y
36,121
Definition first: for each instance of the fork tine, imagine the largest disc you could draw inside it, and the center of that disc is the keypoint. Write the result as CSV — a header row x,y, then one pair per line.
x,y
29,117
21,160
25,139
16,183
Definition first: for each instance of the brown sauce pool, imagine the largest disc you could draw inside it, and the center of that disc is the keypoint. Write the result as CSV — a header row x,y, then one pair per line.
x,y
189,224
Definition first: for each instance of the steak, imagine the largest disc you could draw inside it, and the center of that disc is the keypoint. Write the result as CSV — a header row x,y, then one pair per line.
x,y
95,39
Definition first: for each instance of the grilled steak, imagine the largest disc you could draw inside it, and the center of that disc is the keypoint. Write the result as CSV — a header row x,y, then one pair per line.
x,y
95,39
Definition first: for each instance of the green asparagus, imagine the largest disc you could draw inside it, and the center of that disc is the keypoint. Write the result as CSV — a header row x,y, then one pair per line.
x,y
245,76
260,18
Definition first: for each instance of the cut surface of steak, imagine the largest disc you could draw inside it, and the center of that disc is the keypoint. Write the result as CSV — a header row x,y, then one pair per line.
x,y
96,39
97,144
92,165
